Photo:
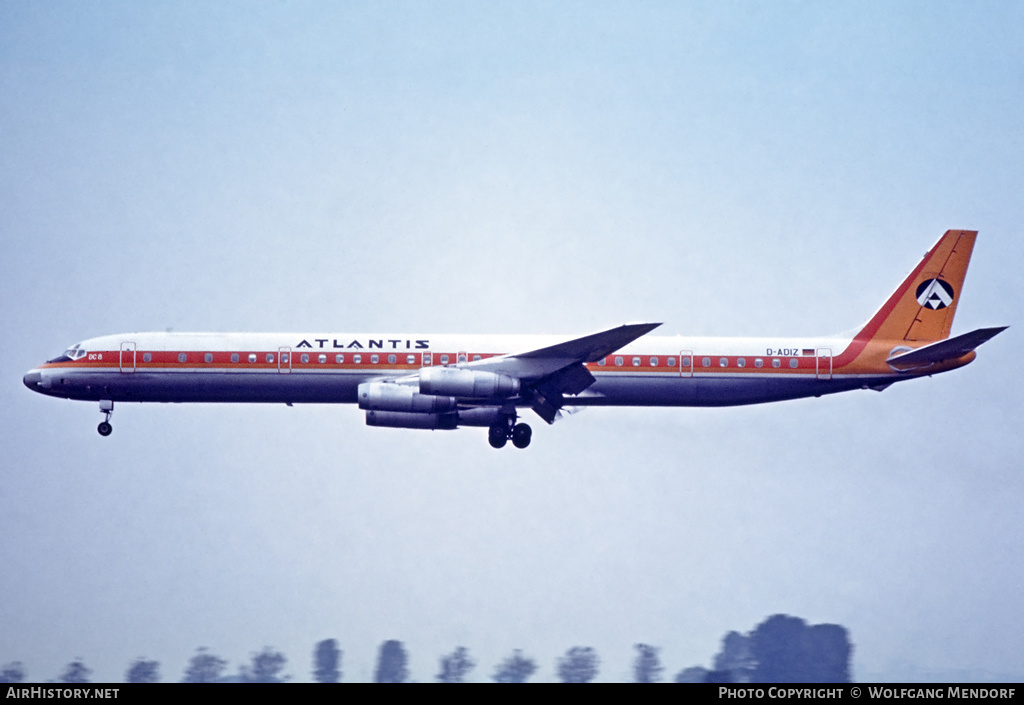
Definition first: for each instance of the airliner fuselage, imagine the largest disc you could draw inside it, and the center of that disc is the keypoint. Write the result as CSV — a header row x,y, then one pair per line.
x,y
445,381
290,368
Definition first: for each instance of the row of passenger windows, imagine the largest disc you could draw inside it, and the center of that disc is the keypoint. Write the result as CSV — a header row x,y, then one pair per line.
x,y
704,362
339,359
444,359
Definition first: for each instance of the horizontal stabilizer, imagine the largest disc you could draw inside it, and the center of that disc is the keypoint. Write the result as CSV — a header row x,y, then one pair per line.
x,y
949,349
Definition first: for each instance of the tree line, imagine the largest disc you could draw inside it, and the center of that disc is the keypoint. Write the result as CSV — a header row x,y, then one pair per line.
x,y
782,649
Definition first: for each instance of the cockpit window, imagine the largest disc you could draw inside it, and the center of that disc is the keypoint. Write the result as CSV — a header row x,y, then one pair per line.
x,y
75,352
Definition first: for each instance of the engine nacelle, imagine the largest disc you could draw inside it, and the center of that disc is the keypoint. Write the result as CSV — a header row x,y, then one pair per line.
x,y
473,384
383,396
408,419
483,416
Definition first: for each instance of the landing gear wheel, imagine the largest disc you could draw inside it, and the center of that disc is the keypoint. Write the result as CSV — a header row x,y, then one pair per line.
x,y
497,436
521,435
107,409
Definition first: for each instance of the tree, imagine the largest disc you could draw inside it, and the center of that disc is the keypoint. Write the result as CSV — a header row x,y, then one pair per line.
x,y
736,657
786,650
694,674
718,677
75,672
143,671
265,667
204,667
647,666
391,663
12,672
327,662
579,665
832,649
778,649
455,666
515,669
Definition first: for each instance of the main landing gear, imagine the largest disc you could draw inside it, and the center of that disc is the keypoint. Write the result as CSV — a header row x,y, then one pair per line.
x,y
107,408
498,434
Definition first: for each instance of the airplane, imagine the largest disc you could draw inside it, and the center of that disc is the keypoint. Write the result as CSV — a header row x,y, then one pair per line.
x,y
447,381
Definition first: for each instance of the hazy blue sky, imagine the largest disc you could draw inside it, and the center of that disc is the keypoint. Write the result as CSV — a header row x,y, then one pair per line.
x,y
529,167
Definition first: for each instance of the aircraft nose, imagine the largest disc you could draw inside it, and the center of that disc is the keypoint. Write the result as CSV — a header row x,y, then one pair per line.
x,y
32,379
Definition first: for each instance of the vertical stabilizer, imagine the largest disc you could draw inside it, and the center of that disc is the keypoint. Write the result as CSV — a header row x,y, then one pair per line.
x,y
922,308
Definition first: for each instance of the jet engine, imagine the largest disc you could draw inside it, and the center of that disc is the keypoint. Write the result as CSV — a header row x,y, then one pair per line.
x,y
409,419
385,396
473,384
481,416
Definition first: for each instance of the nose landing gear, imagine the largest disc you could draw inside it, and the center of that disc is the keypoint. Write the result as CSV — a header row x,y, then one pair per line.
x,y
107,408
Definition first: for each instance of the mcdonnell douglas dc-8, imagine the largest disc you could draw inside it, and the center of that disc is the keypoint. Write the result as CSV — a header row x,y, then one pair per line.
x,y
447,381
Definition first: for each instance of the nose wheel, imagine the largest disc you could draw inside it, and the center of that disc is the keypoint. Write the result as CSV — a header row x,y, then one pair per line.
x,y
107,409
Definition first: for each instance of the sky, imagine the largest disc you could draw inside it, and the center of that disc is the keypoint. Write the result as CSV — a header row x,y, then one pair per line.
x,y
728,168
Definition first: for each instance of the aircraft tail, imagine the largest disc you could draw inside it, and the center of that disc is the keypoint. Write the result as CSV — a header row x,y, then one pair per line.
x,y
921,309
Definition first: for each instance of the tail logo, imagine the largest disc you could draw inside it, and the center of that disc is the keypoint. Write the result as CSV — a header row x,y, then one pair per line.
x,y
934,294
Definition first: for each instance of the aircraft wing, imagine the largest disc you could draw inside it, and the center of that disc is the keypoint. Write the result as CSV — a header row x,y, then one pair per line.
x,y
535,364
547,374
949,349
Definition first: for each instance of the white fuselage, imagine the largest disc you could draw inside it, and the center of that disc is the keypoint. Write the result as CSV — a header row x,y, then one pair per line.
x,y
328,368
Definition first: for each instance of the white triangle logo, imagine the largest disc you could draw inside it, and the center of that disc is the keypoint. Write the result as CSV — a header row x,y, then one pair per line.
x,y
934,294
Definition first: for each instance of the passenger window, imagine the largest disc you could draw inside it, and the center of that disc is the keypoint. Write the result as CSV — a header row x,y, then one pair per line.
x,y
758,362
252,357
723,362
618,361
304,358
146,357
444,359
208,357
776,362
392,359
793,362
636,362
602,362
322,359
357,358
339,359
284,358
475,358
654,362
234,357
462,357
686,362
182,357
428,359
410,359
741,362
706,362
374,359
